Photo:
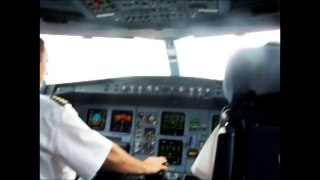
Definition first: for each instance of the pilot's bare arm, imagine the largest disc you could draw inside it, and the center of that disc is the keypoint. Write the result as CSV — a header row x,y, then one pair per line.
x,y
119,160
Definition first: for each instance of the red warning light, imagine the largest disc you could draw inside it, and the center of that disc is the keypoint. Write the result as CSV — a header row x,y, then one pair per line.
x,y
97,4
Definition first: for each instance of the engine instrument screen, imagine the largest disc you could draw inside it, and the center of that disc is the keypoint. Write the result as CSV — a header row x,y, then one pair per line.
x,y
121,121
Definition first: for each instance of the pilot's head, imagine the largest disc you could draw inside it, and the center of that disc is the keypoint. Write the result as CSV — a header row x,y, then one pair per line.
x,y
43,62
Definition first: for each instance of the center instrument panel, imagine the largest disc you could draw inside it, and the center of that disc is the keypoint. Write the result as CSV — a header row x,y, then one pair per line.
x,y
169,125
178,134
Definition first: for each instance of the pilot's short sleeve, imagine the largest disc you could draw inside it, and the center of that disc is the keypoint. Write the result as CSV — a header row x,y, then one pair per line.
x,y
82,148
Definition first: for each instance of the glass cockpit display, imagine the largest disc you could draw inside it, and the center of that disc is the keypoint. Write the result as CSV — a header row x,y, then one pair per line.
x,y
172,123
97,118
121,121
172,150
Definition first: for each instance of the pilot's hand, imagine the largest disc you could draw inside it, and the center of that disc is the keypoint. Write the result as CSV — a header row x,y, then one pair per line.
x,y
156,164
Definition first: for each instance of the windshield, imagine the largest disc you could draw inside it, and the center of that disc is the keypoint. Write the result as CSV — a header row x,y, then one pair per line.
x,y
74,58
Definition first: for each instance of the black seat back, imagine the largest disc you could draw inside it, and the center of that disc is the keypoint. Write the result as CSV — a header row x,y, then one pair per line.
x,y
249,135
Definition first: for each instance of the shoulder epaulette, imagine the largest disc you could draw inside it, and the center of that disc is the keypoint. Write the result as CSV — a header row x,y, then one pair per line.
x,y
59,100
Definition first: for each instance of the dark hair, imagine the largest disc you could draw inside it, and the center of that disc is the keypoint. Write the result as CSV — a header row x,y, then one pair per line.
x,y
42,48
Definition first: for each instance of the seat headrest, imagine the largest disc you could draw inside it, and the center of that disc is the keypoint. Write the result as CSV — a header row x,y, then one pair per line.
x,y
253,69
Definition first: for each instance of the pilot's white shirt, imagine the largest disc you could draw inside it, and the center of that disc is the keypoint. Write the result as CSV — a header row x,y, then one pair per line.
x,y
67,145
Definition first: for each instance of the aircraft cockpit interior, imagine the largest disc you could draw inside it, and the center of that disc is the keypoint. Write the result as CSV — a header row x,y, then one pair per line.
x,y
160,116
154,76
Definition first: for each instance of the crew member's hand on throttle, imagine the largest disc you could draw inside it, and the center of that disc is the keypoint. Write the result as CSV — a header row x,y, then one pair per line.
x,y
156,164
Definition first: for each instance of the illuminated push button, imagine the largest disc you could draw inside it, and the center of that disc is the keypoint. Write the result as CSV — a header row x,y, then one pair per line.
x,y
200,90
181,89
139,89
149,87
191,90
207,91
123,87
97,4
131,89
192,153
156,88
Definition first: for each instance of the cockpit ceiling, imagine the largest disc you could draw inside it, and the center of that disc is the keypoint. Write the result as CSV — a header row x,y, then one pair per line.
x,y
161,19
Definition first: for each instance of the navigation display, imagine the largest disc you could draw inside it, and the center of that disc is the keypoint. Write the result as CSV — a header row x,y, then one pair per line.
x,y
121,121
172,123
96,118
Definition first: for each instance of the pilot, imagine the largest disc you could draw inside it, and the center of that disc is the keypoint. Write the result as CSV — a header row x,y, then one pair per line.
x,y
68,147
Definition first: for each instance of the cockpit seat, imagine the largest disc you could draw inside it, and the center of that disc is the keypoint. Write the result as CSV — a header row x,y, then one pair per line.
x,y
246,144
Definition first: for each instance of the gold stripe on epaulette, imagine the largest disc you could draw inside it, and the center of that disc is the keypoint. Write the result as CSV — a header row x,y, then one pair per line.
x,y
59,100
